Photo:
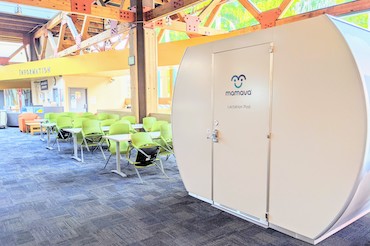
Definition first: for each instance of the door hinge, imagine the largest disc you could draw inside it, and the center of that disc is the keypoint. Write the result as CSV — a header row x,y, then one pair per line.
x,y
269,135
267,216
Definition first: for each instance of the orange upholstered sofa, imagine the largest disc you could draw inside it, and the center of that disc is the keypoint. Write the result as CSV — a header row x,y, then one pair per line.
x,y
25,117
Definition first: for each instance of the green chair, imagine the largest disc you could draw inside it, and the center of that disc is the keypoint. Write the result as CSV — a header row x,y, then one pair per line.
x,y
156,127
91,136
130,118
143,152
53,117
63,114
107,122
113,116
47,116
132,130
165,141
73,114
77,122
63,122
86,114
102,116
117,128
148,123
93,117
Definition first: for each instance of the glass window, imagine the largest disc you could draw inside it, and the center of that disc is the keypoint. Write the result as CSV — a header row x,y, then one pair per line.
x,y
361,20
17,99
264,5
166,82
233,16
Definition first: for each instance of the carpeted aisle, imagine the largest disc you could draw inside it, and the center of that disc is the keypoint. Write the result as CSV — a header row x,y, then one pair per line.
x,y
47,198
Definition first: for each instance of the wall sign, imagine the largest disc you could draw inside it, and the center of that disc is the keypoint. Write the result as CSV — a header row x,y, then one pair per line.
x,y
44,85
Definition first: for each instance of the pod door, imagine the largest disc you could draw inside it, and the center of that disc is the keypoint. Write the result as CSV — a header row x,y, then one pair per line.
x,y
241,130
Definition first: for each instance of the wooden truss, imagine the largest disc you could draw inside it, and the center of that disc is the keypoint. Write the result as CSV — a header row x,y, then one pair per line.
x,y
98,25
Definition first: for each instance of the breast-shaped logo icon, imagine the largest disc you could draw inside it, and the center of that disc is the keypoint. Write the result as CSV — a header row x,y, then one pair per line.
x,y
238,80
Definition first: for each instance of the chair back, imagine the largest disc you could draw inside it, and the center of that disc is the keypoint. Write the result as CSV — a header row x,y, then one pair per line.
x,y
141,139
113,116
156,127
90,127
148,123
147,149
53,117
132,130
166,132
86,114
107,122
77,122
64,122
73,114
119,128
130,118
102,116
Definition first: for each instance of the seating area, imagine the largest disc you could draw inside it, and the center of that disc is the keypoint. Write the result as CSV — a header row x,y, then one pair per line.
x,y
141,145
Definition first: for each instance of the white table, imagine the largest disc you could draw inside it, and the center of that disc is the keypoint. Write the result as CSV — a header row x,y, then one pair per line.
x,y
121,138
74,132
49,127
137,126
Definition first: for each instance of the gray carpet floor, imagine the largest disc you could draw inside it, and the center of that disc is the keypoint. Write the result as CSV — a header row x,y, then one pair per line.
x,y
46,198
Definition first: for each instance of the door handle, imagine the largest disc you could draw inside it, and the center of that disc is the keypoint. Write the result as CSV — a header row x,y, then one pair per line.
x,y
215,136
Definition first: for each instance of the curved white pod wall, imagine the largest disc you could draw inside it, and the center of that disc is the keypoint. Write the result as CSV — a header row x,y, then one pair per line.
x,y
291,108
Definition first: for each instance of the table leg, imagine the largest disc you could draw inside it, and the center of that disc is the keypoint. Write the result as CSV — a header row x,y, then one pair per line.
x,y
118,161
48,142
41,133
75,151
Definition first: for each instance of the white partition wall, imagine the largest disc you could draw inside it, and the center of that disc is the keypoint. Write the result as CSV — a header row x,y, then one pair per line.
x,y
273,126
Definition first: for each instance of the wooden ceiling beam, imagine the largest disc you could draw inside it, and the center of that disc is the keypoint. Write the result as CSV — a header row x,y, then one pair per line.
x,y
108,12
23,29
16,52
95,39
11,33
212,15
50,25
250,8
208,10
85,27
285,5
62,31
160,35
171,8
181,27
25,19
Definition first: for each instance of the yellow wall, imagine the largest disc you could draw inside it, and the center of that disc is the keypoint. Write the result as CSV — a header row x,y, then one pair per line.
x,y
102,92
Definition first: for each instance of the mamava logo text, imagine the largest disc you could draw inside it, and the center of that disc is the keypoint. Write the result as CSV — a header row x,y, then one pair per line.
x,y
238,83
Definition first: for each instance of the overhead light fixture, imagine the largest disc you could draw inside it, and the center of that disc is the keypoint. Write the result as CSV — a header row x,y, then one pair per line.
x,y
18,10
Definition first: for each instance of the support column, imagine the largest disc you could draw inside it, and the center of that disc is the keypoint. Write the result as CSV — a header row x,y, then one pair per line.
x,y
143,47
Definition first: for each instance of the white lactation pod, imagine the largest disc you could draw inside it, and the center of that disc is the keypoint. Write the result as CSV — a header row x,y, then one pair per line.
x,y
273,126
